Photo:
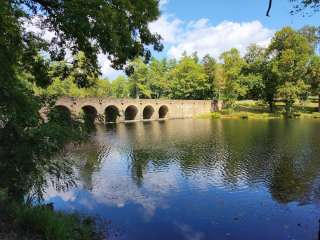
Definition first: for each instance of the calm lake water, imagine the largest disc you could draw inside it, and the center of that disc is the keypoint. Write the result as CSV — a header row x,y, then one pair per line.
x,y
200,179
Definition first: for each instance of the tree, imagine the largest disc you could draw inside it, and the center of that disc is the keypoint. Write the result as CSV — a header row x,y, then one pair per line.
x,y
219,82
291,91
313,75
101,88
118,28
158,77
232,65
252,71
209,65
188,80
110,24
120,87
312,34
139,82
289,52
78,79
84,74
302,5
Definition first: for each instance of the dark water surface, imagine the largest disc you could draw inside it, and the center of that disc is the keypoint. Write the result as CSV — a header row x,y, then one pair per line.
x,y
200,179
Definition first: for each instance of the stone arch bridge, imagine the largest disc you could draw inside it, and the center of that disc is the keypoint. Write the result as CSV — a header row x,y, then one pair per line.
x,y
107,110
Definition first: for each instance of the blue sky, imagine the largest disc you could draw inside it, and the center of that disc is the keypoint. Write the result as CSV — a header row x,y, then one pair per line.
x,y
238,11
214,26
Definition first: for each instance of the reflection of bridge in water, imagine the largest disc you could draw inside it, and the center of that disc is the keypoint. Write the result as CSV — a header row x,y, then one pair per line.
x,y
120,110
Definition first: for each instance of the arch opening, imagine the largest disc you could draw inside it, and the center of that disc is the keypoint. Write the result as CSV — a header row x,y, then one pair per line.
x,y
131,113
148,112
163,111
111,114
60,114
89,114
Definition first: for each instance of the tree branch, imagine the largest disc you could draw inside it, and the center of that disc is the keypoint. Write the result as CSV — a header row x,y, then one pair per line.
x,y
269,8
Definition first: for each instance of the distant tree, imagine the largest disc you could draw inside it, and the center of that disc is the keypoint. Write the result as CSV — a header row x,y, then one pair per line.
x,y
101,88
209,65
84,74
120,87
188,80
232,65
313,76
158,77
289,52
139,82
252,71
312,34
219,82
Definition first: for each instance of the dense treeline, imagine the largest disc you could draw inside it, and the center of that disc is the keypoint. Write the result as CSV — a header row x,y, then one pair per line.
x,y
288,68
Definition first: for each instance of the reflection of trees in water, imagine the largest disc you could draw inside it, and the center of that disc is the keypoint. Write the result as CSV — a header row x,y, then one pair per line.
x,y
89,156
90,162
294,172
287,184
140,158
282,154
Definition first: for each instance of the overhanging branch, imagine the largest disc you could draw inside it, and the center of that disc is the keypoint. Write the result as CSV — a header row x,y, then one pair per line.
x,y
269,8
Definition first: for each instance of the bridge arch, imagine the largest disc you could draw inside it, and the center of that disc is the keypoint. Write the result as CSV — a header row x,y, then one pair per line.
x,y
163,111
90,113
60,113
148,112
111,114
131,113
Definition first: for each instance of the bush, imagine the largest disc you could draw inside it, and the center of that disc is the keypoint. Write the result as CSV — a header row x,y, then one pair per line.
x,y
50,225
42,222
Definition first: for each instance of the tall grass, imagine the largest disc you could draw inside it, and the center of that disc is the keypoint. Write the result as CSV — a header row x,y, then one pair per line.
x,y
42,222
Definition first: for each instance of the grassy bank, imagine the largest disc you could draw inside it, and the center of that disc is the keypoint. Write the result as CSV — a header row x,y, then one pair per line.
x,y
250,109
18,221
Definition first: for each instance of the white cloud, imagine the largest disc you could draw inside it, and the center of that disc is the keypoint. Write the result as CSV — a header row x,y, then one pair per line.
x,y
119,191
168,27
162,3
201,37
106,69
191,36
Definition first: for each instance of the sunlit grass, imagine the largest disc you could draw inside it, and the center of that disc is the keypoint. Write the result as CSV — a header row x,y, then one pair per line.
x,y
251,109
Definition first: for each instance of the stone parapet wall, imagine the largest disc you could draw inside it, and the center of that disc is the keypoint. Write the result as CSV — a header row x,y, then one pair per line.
x,y
136,109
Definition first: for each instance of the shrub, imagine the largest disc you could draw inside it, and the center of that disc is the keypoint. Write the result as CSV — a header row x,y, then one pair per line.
x,y
50,225
42,222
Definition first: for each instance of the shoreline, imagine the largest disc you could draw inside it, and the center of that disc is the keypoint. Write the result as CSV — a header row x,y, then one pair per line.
x,y
250,109
257,116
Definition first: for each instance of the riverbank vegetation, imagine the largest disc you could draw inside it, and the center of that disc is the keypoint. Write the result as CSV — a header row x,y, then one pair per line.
x,y
259,110
287,70
20,221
